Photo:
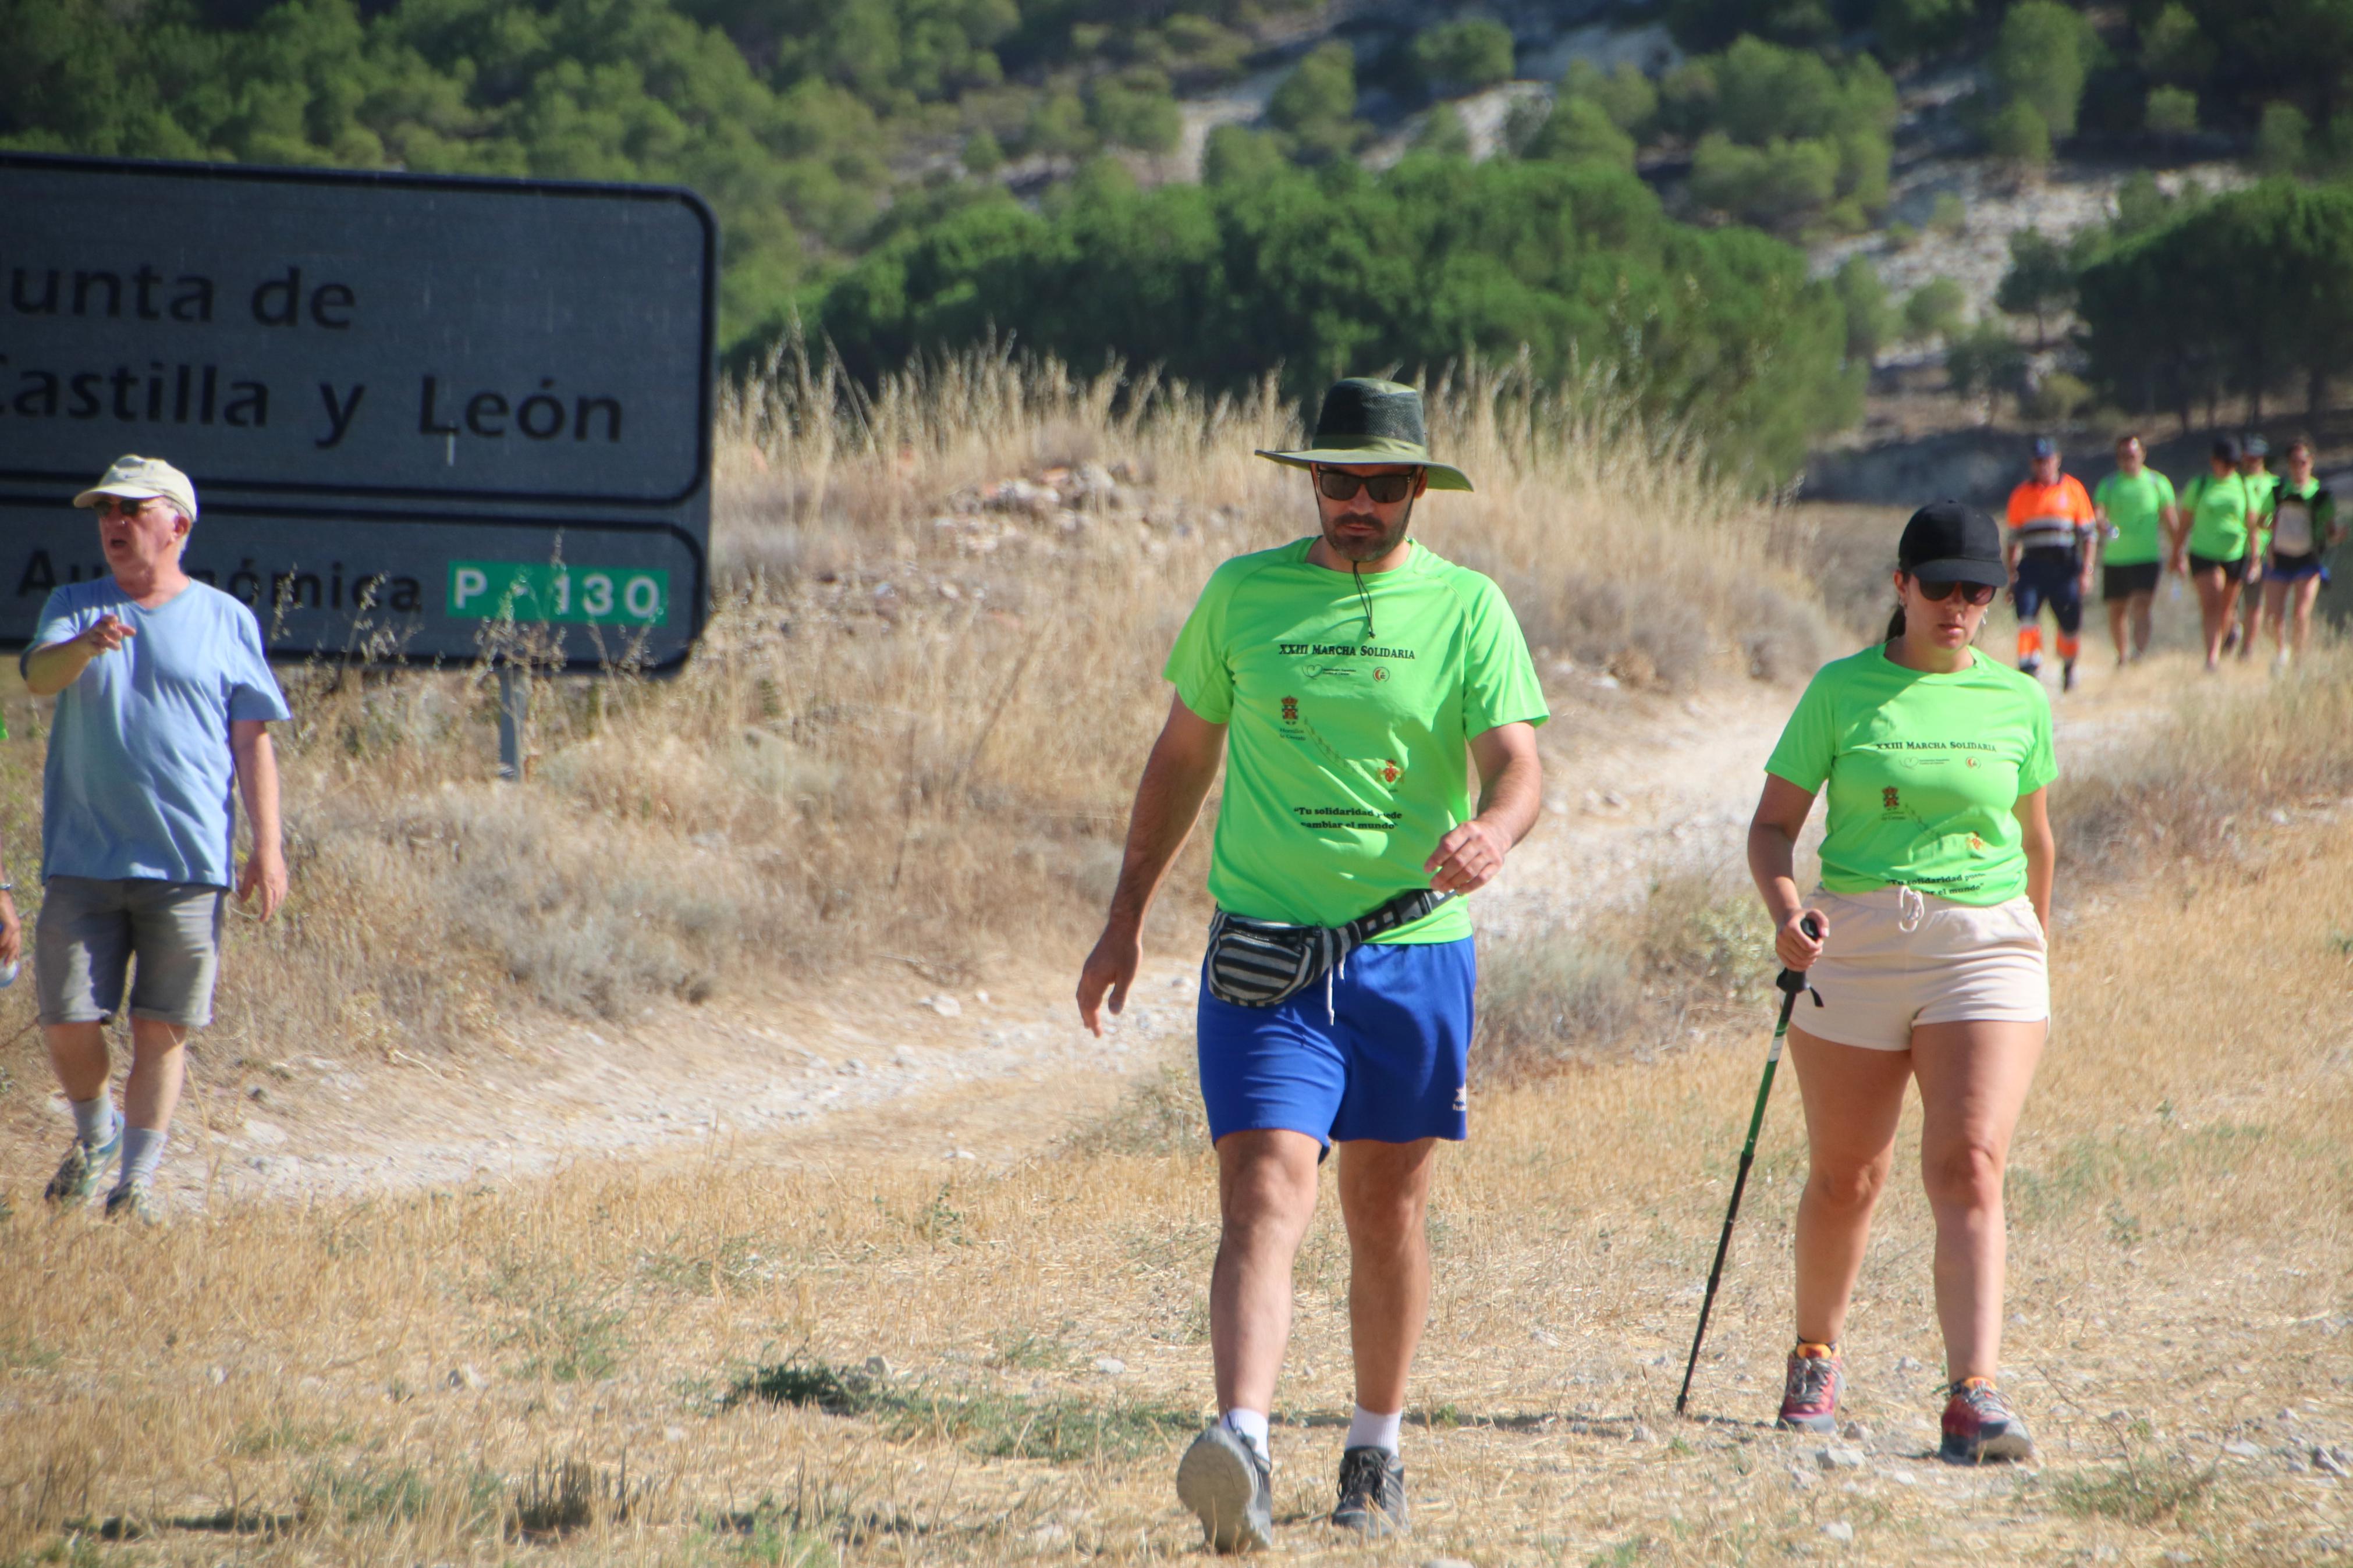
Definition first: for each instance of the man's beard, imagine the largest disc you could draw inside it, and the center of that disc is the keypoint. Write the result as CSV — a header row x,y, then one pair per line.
x,y
1367,548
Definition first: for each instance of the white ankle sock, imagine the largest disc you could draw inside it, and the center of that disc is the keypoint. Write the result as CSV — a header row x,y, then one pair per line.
x,y
1366,1430
93,1119
142,1150
1249,1426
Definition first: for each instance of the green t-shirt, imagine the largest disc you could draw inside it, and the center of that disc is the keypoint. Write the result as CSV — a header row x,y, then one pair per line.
x,y
1346,721
2218,508
1924,772
2303,518
2133,507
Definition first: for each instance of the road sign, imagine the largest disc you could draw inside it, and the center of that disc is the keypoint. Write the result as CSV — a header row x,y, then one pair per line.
x,y
371,378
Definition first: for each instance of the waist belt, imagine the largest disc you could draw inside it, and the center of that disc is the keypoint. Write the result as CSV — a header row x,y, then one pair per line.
x,y
1258,963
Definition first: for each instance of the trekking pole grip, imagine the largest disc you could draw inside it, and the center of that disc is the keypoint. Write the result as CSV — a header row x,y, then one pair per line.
x,y
1793,980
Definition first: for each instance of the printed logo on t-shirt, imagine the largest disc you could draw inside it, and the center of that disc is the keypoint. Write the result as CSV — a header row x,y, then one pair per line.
x,y
1290,710
1889,799
1390,771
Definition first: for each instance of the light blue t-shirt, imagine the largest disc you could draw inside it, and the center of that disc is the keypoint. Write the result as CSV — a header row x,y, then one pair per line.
x,y
140,782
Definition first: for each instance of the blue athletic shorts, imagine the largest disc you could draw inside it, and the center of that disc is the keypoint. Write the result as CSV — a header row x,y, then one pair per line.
x,y
1384,1054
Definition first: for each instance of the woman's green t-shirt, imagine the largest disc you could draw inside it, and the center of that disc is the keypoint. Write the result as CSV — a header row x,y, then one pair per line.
x,y
2218,508
1924,774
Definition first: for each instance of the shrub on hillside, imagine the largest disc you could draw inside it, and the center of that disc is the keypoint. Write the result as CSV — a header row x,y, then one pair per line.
x,y
2041,58
1315,106
1464,55
1934,309
2172,111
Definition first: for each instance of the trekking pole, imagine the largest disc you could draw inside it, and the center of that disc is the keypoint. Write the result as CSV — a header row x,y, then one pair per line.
x,y
1791,981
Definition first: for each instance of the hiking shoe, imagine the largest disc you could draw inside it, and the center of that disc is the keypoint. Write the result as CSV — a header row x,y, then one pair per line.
x,y
137,1201
1809,1398
1979,1427
2067,677
82,1169
1224,1481
1372,1493
2030,666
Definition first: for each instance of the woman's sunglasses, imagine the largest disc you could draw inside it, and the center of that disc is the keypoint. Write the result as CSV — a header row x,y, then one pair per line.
x,y
1970,593
1386,488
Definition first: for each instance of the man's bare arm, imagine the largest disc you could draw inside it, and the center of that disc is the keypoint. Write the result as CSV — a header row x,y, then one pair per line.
x,y
1511,793
49,670
257,781
1176,779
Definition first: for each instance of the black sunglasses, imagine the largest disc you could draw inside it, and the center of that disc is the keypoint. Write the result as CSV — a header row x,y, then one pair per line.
x,y
1970,593
128,505
1386,488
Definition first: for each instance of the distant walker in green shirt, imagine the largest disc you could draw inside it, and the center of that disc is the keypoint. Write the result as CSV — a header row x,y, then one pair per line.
x,y
2136,506
1344,676
2221,515
1929,957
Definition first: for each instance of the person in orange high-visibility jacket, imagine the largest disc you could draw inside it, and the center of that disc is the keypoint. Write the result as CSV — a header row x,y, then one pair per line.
x,y
2051,548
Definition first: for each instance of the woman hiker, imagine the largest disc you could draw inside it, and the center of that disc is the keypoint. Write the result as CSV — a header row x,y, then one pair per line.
x,y
1935,899
2304,526
2219,510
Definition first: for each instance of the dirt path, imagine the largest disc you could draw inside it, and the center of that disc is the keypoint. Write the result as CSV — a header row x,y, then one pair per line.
x,y
895,1066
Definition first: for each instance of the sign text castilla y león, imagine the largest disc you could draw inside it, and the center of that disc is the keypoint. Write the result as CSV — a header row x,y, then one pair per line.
x,y
411,406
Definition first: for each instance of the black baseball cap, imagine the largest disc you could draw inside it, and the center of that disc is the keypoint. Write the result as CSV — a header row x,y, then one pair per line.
x,y
1949,542
2226,447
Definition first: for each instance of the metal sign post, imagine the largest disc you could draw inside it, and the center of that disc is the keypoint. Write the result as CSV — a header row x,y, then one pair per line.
x,y
418,411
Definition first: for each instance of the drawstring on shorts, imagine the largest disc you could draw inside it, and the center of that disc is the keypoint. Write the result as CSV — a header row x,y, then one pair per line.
x,y
1910,908
1331,1011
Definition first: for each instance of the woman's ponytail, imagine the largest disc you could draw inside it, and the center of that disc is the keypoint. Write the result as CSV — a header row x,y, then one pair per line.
x,y
1895,625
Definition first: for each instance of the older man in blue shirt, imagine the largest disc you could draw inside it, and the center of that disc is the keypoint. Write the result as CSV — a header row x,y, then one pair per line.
x,y
163,695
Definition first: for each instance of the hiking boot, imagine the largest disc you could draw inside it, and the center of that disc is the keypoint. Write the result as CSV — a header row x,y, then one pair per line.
x,y
2032,666
2067,676
1979,1427
82,1169
1809,1398
1372,1493
1224,1481
137,1201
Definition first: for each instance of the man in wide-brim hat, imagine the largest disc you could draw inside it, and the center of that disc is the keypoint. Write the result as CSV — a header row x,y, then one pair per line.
x,y
1346,673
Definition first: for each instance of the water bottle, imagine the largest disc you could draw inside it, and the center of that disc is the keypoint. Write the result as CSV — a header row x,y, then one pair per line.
x,y
8,974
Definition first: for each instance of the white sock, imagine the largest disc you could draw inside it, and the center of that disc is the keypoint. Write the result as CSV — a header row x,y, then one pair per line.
x,y
143,1149
1249,1426
93,1119
1366,1430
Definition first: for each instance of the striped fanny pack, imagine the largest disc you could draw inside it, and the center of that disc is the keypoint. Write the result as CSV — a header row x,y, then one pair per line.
x,y
1258,963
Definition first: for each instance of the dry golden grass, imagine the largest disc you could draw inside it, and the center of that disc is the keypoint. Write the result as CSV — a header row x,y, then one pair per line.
x,y
669,1364
2182,1213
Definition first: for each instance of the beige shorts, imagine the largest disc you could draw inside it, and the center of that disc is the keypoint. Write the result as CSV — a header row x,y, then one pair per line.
x,y
1954,963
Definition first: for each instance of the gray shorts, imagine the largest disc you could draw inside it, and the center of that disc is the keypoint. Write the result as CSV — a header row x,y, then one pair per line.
x,y
90,931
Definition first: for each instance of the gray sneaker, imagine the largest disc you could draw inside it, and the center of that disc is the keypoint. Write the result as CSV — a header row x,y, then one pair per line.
x,y
1372,1493
82,1169
1222,1479
137,1201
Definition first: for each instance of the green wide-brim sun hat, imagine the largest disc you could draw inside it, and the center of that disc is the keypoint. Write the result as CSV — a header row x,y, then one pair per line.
x,y
1368,421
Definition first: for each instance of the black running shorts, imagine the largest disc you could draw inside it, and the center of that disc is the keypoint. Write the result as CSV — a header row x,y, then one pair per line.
x,y
2124,582
2233,570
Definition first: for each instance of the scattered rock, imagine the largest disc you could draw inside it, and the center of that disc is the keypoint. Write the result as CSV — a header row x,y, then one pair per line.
x,y
1803,1478
1052,1533
2243,1449
878,1368
1907,1363
1901,1477
466,1377
2336,1460
1640,1433
945,1006
1545,1337
268,1135
1110,1365
1856,1432
1445,1563
219,1375
962,1154
673,1434
1840,1530
1838,1457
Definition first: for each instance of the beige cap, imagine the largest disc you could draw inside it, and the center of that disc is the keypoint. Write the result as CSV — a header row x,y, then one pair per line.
x,y
134,478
